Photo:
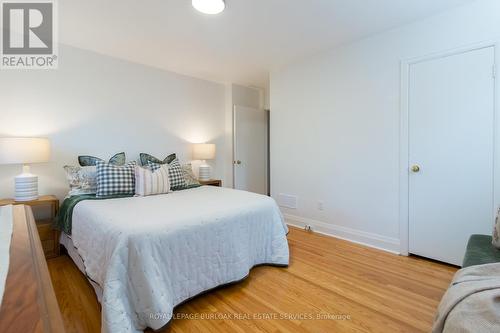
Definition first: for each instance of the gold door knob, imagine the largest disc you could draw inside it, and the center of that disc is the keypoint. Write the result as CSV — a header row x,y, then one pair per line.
x,y
415,168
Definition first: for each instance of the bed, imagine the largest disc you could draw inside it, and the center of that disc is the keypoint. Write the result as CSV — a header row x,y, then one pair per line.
x,y
145,255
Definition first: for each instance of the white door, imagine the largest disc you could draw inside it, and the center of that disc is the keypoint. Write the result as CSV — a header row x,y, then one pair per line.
x,y
250,149
451,151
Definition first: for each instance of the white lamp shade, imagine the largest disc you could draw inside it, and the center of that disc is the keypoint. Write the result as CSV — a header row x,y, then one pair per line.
x,y
204,151
24,150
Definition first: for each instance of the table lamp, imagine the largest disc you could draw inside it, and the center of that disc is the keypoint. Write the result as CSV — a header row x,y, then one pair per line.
x,y
25,151
204,152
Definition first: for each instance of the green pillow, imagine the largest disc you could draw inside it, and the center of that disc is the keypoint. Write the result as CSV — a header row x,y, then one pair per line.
x,y
145,158
117,159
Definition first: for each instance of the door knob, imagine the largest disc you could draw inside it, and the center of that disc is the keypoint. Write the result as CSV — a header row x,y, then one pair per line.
x,y
415,168
237,162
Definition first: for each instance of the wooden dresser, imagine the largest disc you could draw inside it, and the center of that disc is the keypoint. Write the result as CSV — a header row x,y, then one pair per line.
x,y
29,303
211,182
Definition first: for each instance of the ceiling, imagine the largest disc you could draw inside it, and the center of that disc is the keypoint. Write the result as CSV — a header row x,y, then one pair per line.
x,y
240,45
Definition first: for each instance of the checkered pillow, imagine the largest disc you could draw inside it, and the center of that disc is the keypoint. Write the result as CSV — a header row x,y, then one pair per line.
x,y
114,179
175,174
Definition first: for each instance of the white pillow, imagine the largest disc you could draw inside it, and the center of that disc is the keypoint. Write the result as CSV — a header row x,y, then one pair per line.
x,y
148,182
189,176
82,180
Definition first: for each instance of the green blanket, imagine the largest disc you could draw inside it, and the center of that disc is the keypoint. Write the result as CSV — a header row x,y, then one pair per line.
x,y
63,221
480,251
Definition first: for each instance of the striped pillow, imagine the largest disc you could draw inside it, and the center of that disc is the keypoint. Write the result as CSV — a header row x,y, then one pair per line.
x,y
176,175
150,182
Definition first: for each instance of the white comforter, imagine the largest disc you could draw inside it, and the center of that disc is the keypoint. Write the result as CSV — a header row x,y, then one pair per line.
x,y
149,254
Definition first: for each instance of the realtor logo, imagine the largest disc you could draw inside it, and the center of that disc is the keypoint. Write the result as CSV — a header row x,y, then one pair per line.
x,y
28,35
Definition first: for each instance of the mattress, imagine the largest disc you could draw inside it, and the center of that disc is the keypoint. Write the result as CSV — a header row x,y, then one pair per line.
x,y
149,254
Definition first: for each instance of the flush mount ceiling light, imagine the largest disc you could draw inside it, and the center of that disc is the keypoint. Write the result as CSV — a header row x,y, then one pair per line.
x,y
209,6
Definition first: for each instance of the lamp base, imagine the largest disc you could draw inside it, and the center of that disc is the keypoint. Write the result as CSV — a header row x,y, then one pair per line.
x,y
204,172
26,187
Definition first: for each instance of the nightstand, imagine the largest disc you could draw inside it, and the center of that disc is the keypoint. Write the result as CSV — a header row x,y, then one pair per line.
x,y
48,236
211,182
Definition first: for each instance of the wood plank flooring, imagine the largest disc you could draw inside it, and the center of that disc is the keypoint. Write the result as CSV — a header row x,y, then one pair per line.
x,y
331,285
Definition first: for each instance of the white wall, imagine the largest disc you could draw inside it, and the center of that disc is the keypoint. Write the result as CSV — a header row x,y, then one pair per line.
x,y
98,105
335,124
247,96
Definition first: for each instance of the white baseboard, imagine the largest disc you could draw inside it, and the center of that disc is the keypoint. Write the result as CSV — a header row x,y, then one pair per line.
x,y
384,243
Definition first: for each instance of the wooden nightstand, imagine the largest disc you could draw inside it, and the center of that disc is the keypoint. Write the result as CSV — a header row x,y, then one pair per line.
x,y
211,182
48,236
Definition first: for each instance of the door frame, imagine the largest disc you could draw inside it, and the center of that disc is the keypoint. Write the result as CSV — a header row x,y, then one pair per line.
x,y
404,137
233,153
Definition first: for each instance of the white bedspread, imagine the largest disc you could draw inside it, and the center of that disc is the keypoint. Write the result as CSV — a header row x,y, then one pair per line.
x,y
151,253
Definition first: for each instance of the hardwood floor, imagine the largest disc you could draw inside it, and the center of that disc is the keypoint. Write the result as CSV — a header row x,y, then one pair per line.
x,y
351,288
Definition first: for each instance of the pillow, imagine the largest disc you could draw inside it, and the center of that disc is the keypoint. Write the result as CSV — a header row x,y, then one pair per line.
x,y
496,231
145,158
118,159
115,179
82,180
148,182
175,174
189,176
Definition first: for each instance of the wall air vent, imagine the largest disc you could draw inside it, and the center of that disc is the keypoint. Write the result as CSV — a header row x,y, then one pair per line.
x,y
287,200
